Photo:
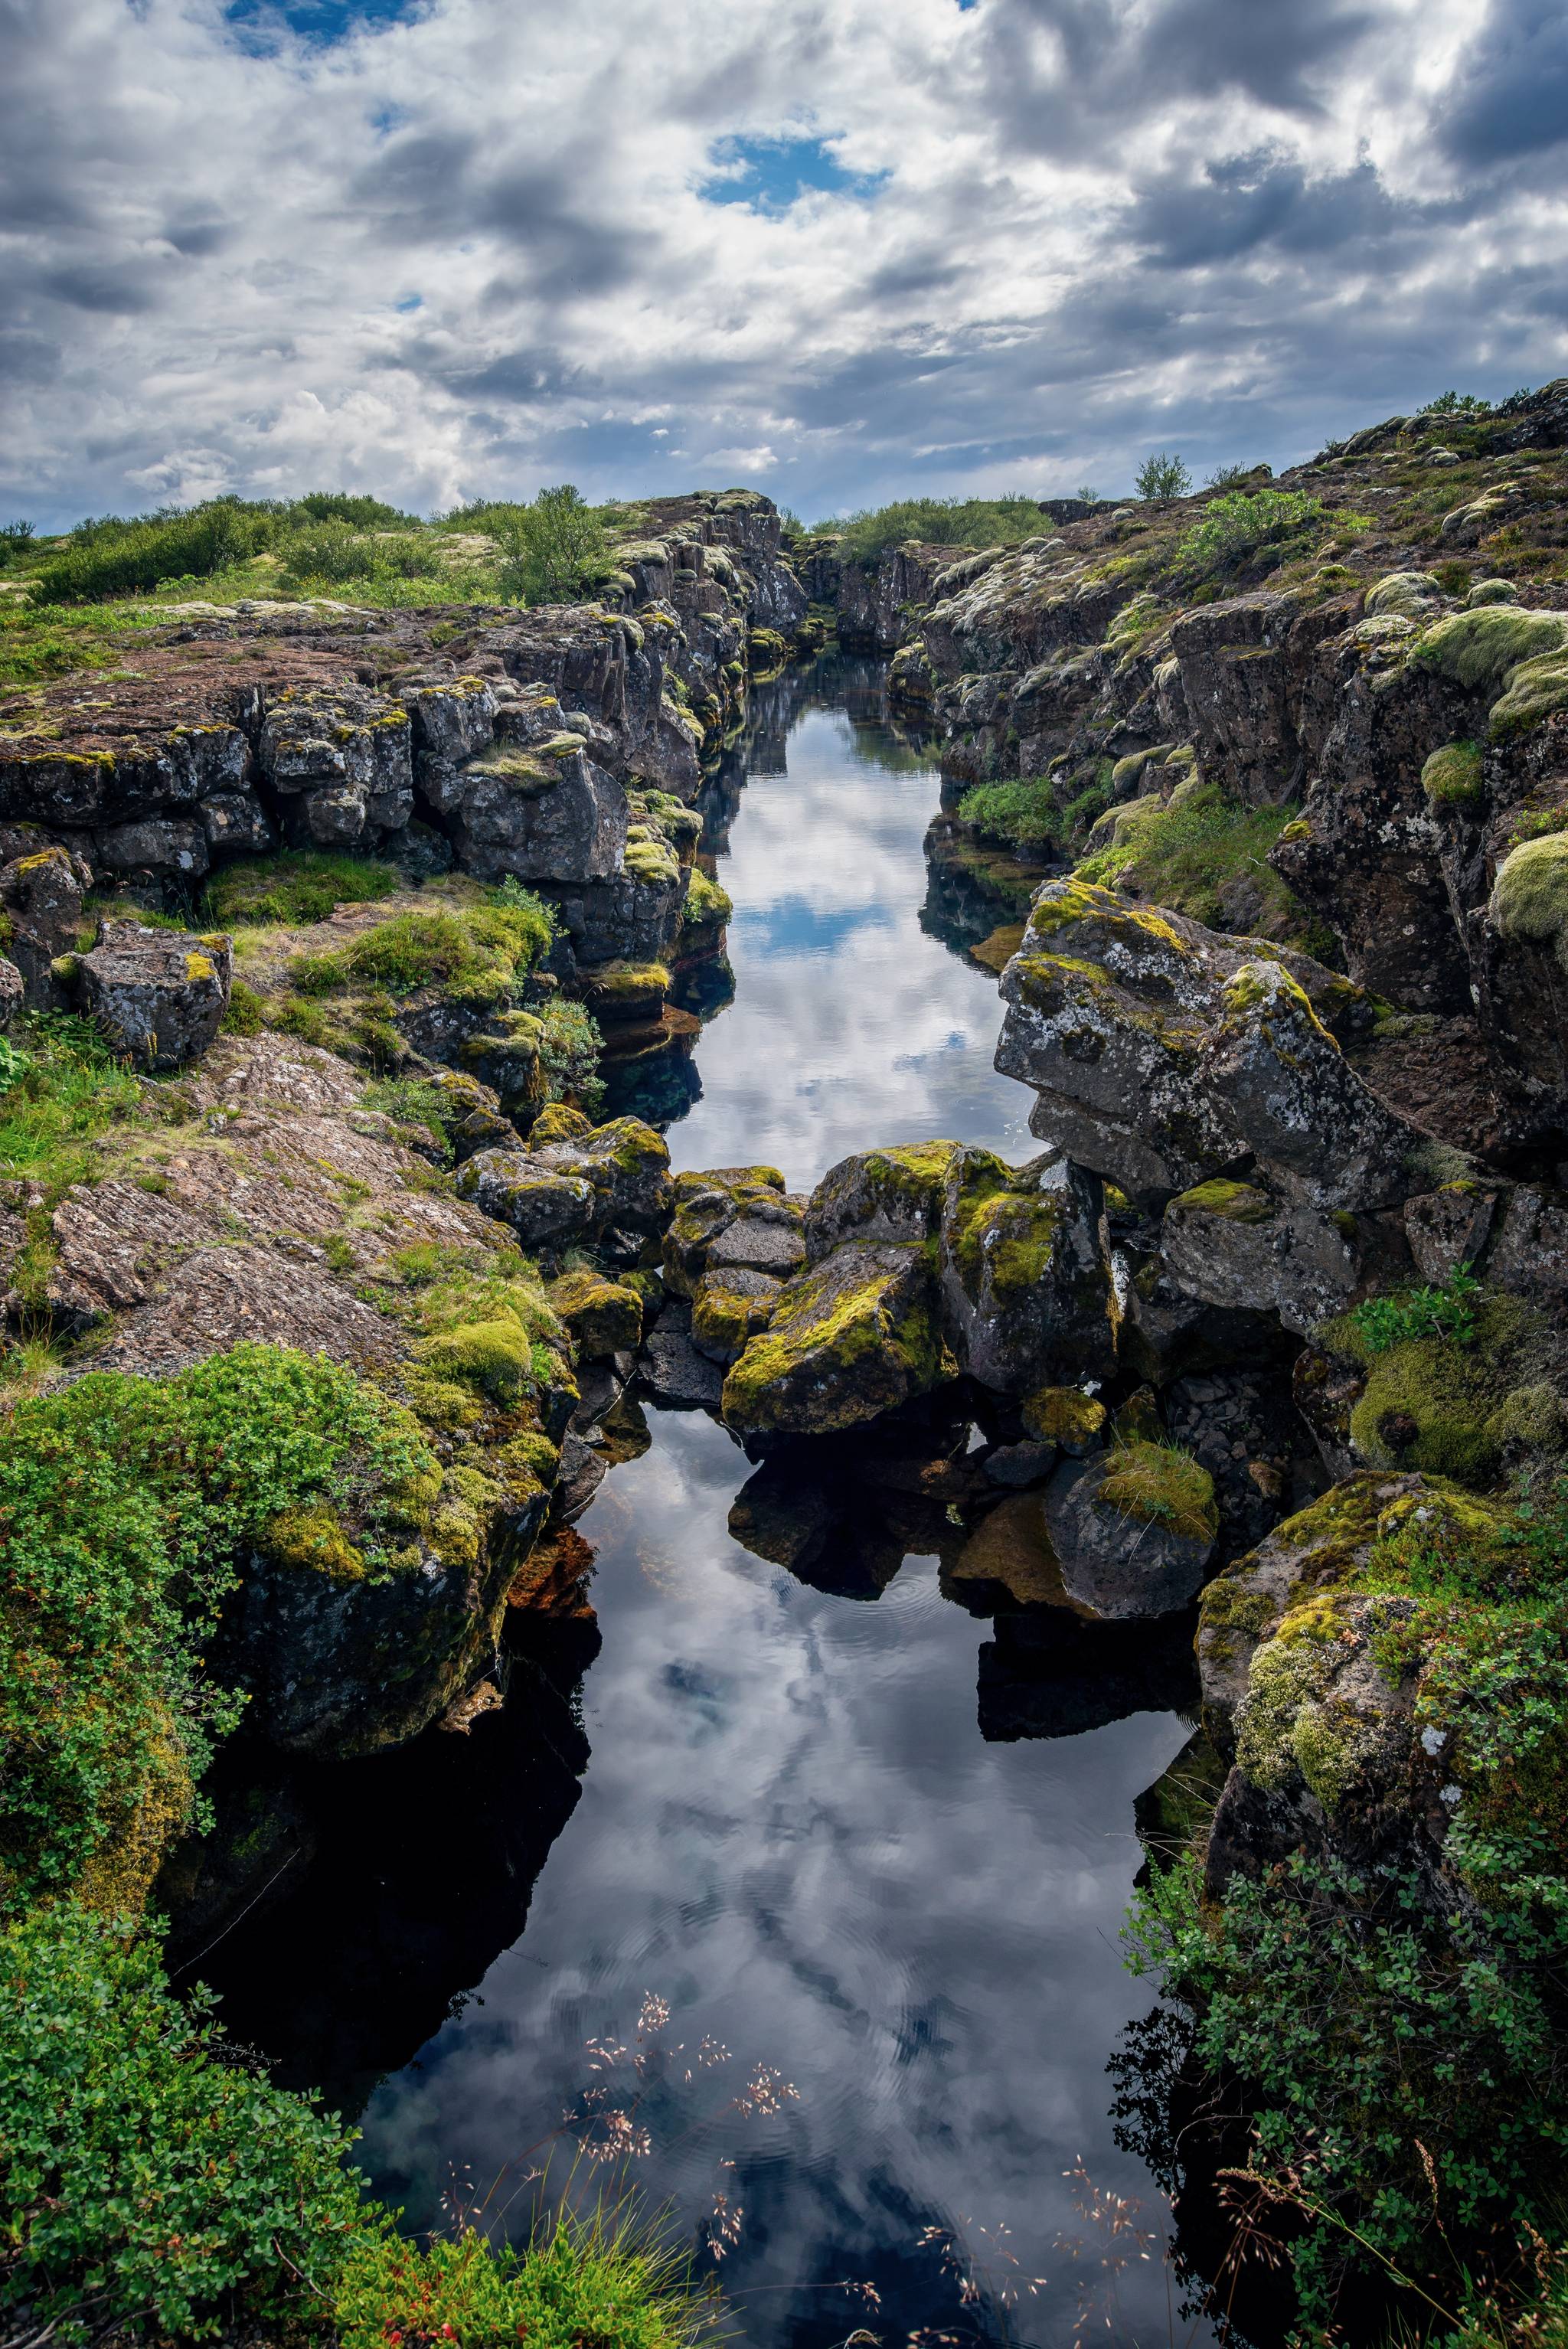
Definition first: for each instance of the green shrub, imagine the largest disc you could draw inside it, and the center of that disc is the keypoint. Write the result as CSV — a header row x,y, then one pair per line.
x,y
338,505
1447,1311
1027,813
867,535
569,1054
146,2177
123,1504
117,558
1404,2058
1163,476
1455,403
1243,520
552,552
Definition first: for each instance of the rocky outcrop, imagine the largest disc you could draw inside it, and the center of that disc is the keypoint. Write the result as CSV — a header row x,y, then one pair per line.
x,y
260,1199
505,741
921,1261
1164,1054
158,994
1311,1695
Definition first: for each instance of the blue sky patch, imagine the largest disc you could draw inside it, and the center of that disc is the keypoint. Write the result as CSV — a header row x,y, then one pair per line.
x,y
774,173
323,21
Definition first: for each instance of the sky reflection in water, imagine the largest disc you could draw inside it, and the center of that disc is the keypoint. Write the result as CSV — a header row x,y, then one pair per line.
x,y
791,1827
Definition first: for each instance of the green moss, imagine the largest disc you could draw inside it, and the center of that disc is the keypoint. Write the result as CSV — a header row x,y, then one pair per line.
x,y
1536,688
298,887
707,906
1289,1719
1064,1416
1529,896
1238,1203
1161,1484
1431,1405
1000,1235
1452,776
1476,649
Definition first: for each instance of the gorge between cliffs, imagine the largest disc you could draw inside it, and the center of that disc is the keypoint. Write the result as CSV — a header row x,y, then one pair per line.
x,y
788,1422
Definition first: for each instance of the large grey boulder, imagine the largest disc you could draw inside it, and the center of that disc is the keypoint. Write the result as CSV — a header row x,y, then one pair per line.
x,y
1164,1053
854,1337
158,994
1126,1552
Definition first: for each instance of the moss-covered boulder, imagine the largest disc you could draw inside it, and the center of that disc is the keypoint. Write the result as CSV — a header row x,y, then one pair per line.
x,y
627,1166
1066,1417
1134,1530
624,993
1419,1397
1163,1053
603,1318
548,1211
854,1337
1313,1653
732,1304
1293,1098
707,1203
1025,1271
879,1195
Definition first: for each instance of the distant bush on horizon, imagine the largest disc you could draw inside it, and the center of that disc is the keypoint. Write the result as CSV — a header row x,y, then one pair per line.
x,y
938,521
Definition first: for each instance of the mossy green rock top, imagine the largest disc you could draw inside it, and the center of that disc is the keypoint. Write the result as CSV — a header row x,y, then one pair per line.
x,y
853,1338
879,1195
603,1318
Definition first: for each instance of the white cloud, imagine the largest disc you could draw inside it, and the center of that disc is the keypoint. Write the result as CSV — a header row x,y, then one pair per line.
x,y
1101,223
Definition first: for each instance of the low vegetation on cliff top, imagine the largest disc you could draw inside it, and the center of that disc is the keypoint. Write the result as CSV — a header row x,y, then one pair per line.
x,y
1403,2059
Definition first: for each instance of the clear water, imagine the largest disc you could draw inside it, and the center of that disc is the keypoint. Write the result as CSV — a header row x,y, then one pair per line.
x,y
798,1825
851,1024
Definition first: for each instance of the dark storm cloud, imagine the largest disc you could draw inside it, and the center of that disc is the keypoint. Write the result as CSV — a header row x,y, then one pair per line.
x,y
1511,95
1243,201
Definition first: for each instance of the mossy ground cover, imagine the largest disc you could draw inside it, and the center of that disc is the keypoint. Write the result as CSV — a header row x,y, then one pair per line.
x,y
1405,2057
1195,853
124,1503
154,2185
1458,1379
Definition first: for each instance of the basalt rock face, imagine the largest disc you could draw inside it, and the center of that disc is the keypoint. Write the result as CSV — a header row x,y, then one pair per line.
x,y
1386,671
505,741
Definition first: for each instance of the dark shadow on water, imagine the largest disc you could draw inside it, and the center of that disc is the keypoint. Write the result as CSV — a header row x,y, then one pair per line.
x,y
414,1870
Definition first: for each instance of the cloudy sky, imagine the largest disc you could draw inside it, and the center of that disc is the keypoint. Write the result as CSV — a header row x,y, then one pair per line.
x,y
839,249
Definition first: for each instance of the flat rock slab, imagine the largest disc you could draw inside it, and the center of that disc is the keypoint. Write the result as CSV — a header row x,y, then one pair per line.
x,y
751,1245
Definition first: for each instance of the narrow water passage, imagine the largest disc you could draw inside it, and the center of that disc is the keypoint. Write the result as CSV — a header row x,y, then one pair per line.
x,y
792,1829
850,1834
853,1024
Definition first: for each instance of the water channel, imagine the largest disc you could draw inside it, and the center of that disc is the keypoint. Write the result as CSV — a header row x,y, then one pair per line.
x,y
846,1830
